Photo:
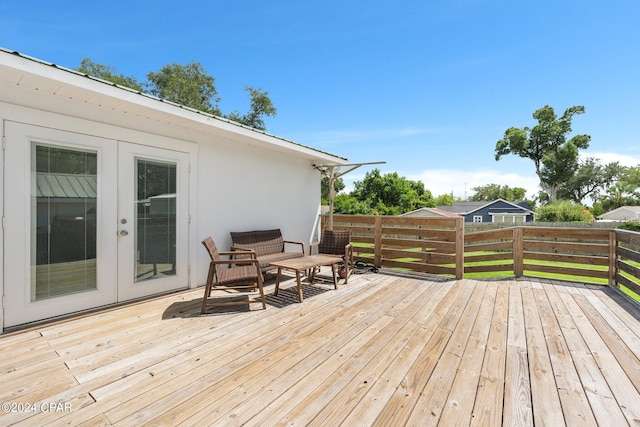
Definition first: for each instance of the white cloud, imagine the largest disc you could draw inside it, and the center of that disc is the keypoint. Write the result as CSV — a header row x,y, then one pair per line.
x,y
461,182
623,159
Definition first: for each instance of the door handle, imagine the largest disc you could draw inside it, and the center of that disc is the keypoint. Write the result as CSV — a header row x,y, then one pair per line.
x,y
124,233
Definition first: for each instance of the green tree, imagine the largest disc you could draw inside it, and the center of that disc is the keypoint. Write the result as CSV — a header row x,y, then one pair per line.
x,y
555,157
349,205
191,86
259,107
589,180
597,209
563,211
108,73
187,85
624,192
338,185
444,200
491,192
632,175
391,194
621,194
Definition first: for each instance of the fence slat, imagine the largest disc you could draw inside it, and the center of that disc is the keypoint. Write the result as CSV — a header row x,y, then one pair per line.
x,y
568,271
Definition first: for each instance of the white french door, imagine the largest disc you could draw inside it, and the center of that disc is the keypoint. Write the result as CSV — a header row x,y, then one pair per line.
x,y
89,221
153,220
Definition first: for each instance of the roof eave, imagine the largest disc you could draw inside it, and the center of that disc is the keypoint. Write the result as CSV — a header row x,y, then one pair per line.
x,y
92,90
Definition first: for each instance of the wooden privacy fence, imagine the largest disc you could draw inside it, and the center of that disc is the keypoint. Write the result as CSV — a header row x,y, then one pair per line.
x,y
441,246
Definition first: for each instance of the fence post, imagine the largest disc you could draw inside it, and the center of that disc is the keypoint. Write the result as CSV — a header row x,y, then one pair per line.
x,y
613,255
459,248
518,252
377,247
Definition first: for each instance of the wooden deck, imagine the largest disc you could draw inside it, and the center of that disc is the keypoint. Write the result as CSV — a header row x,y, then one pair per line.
x,y
382,350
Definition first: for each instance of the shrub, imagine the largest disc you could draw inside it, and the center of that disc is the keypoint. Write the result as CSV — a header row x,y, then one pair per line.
x,y
630,225
563,211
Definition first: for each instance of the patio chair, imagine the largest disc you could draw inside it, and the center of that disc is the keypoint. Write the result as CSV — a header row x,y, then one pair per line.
x,y
338,244
245,278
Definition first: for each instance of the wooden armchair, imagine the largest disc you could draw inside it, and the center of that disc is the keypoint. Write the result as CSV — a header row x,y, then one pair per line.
x,y
245,278
338,244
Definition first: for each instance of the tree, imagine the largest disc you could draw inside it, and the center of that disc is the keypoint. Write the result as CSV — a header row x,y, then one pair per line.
x,y
444,200
187,85
589,180
391,194
108,73
624,192
349,205
190,86
555,157
631,175
260,106
491,192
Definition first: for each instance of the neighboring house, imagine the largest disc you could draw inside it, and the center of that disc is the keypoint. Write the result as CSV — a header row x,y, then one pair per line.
x,y
107,193
496,211
623,213
430,213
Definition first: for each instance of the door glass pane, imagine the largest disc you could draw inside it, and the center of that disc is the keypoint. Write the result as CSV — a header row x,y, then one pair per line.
x,y
155,219
63,221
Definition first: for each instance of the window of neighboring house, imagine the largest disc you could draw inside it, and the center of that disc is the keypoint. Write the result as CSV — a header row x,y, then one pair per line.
x,y
477,218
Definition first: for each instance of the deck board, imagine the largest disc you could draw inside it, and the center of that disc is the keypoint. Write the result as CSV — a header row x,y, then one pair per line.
x,y
489,400
386,349
517,409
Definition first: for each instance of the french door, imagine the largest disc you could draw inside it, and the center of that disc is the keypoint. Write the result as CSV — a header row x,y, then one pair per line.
x,y
89,221
153,220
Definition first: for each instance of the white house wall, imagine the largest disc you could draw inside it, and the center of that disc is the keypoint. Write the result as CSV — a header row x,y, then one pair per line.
x,y
236,186
245,188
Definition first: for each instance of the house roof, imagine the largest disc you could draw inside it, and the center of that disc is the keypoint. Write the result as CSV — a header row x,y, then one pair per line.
x,y
468,207
436,211
635,209
463,208
66,91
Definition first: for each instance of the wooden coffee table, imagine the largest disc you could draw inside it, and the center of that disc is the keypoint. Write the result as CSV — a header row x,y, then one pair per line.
x,y
309,262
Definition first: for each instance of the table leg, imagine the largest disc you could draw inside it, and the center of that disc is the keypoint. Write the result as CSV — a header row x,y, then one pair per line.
x,y
335,279
278,281
299,285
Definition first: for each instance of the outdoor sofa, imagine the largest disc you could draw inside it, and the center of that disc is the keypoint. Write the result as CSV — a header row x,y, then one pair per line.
x,y
268,245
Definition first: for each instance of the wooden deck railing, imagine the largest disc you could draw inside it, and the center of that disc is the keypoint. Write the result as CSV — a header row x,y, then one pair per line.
x,y
440,246
431,245
626,260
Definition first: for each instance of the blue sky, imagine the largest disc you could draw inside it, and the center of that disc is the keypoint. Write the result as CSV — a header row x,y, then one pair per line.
x,y
428,86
